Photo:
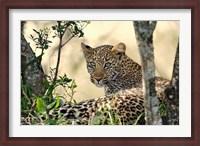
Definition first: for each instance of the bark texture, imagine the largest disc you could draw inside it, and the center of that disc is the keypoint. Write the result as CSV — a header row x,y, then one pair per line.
x,y
31,70
172,94
144,35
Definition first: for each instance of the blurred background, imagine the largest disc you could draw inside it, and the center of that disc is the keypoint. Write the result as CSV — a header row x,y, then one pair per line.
x,y
98,33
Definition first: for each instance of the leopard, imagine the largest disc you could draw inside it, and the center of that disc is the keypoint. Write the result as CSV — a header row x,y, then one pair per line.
x,y
121,77
111,68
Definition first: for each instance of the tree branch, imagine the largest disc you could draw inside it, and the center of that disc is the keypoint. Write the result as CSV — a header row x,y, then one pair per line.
x,y
59,51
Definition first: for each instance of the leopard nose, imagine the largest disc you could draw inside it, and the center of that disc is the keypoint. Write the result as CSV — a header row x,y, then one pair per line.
x,y
98,78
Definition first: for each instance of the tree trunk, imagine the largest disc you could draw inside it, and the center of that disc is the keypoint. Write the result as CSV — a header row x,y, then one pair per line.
x,y
31,70
172,94
144,35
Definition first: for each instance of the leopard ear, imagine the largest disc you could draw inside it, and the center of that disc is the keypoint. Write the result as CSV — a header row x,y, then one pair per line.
x,y
86,49
119,50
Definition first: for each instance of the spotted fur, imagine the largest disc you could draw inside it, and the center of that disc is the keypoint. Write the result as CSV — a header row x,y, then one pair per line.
x,y
111,68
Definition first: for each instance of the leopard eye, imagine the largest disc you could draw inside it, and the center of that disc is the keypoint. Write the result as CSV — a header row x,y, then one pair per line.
x,y
91,64
107,65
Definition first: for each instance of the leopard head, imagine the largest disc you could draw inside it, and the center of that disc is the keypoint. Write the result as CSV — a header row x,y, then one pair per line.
x,y
104,62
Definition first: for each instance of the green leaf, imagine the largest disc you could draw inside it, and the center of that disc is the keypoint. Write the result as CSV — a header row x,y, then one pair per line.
x,y
51,122
50,106
45,83
36,31
54,27
73,86
162,107
64,79
76,28
57,102
46,47
75,102
24,88
40,105
40,38
24,104
97,121
81,34
138,118
72,22
50,89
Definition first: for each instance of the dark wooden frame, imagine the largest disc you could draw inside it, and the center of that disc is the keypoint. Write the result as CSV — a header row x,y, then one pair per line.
x,y
102,4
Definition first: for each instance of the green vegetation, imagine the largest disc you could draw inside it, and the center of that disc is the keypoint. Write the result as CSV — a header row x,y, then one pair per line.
x,y
37,108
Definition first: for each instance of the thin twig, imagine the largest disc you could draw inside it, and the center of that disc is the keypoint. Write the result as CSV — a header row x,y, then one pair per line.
x,y
59,52
71,96
59,48
67,41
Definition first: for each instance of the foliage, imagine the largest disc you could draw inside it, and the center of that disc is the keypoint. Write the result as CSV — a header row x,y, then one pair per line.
x,y
38,107
163,110
41,37
74,27
108,117
41,40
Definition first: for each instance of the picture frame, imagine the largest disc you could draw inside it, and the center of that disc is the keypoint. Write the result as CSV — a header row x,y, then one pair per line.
x,y
7,5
